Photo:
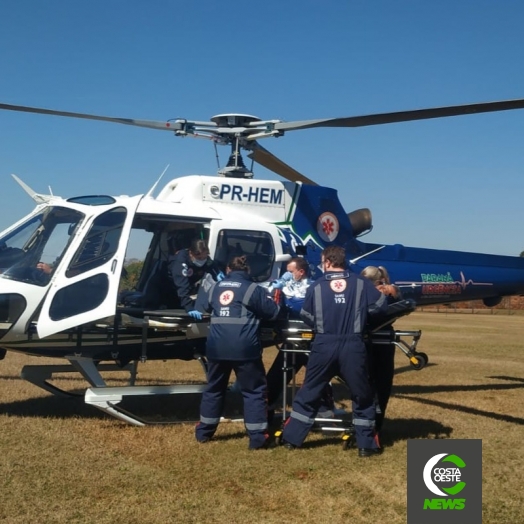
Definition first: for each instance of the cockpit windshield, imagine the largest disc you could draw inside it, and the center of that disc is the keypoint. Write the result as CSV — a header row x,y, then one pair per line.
x,y
31,252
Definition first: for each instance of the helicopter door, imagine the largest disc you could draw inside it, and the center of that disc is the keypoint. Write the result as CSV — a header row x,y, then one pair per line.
x,y
85,288
261,247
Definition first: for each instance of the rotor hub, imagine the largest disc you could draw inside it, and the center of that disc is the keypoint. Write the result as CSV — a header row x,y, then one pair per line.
x,y
234,120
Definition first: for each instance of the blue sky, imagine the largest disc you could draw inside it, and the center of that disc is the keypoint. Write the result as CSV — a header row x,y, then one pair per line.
x,y
454,183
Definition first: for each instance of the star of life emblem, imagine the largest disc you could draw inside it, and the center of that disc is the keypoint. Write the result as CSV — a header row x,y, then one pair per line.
x,y
328,227
339,285
226,297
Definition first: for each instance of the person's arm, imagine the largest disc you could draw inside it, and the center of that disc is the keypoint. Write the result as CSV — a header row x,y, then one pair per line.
x,y
306,313
377,301
213,269
178,267
262,306
390,290
203,301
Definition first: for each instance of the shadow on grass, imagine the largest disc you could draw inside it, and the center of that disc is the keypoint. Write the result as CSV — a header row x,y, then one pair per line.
x,y
394,431
465,409
410,368
406,392
413,428
51,406
153,409
454,388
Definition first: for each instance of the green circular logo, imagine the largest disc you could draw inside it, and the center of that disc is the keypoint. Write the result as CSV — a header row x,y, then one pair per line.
x,y
444,474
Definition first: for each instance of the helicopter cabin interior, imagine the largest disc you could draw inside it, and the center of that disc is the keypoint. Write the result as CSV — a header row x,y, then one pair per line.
x,y
165,237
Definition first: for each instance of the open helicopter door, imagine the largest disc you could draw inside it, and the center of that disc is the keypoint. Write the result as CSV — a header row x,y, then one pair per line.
x,y
85,286
258,241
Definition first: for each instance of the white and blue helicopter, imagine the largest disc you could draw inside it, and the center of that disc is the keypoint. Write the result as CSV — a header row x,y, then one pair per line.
x,y
61,265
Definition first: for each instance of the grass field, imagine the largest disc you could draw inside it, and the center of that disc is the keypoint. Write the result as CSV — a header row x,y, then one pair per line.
x,y
64,462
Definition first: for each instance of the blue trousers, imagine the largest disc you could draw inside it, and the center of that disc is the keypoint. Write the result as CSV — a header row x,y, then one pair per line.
x,y
330,356
251,377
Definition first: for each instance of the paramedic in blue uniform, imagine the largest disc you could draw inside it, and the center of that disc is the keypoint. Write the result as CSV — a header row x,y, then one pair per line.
x,y
187,268
237,304
337,306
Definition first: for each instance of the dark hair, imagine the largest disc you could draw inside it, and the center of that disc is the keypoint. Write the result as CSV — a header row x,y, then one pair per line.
x,y
300,263
336,255
199,247
238,263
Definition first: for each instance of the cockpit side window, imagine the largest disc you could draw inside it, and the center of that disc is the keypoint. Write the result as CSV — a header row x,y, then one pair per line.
x,y
100,243
40,241
256,245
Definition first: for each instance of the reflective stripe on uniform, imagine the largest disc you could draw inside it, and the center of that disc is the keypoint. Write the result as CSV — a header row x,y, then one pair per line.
x,y
363,422
254,427
318,314
208,420
357,326
307,314
378,304
247,296
233,320
302,418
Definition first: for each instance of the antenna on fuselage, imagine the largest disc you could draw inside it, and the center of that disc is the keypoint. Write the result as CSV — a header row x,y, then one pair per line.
x,y
150,192
37,197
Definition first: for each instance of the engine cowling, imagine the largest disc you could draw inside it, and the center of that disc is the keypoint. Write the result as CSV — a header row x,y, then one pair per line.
x,y
361,221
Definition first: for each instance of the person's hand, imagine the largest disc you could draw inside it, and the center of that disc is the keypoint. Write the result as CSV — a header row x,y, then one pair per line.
x,y
388,289
195,314
277,284
220,276
287,276
46,268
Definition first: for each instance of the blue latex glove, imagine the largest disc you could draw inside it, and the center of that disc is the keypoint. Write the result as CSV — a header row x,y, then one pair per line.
x,y
220,276
287,276
277,284
195,314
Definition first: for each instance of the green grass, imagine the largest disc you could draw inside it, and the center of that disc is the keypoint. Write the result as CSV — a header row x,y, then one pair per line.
x,y
63,461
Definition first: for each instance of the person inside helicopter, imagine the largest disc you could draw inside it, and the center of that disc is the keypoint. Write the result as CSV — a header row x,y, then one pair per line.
x,y
30,252
188,269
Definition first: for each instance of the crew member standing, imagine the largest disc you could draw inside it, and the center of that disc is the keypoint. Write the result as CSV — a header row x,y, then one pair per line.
x,y
337,307
382,366
237,304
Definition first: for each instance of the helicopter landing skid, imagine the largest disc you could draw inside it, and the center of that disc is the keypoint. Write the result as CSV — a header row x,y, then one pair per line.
x,y
40,375
108,398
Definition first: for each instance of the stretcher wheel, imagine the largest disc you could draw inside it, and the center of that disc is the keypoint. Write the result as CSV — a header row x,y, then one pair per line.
x,y
348,441
419,360
278,437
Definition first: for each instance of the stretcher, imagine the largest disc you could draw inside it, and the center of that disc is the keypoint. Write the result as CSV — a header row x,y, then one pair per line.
x,y
296,338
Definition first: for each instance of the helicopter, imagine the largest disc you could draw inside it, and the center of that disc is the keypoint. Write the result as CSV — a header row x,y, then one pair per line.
x,y
60,266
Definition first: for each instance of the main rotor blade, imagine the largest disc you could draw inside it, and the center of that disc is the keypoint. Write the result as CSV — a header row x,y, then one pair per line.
x,y
403,116
152,124
271,162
